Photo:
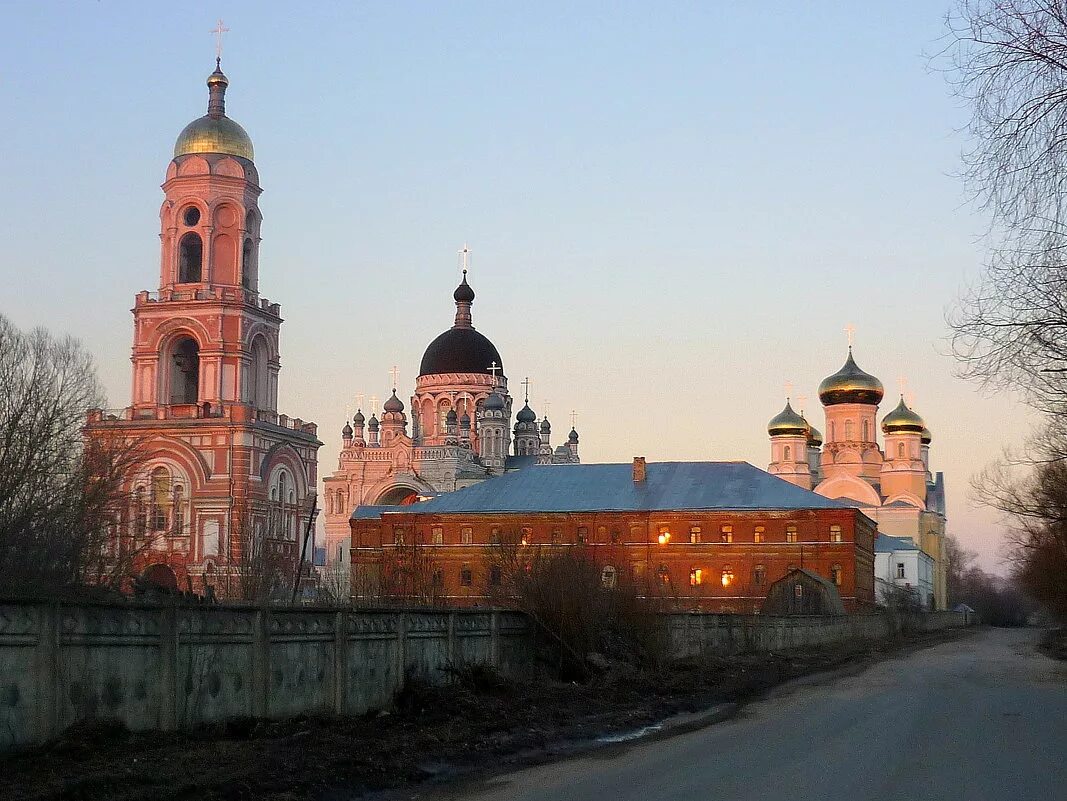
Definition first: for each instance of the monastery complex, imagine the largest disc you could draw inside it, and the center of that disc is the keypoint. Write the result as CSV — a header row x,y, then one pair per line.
x,y
426,493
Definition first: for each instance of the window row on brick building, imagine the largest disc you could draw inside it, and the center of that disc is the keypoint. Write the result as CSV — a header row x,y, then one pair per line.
x,y
666,534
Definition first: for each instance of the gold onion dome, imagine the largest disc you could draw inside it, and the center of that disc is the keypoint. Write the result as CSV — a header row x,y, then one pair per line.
x,y
787,422
851,385
902,419
215,132
926,436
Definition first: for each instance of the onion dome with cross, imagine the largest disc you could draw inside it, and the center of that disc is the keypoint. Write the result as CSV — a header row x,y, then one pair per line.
x,y
850,384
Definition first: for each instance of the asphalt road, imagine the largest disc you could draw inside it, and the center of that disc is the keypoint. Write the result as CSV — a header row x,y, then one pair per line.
x,y
984,717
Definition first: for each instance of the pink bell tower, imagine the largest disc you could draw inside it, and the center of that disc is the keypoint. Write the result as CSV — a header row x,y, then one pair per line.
x,y
223,465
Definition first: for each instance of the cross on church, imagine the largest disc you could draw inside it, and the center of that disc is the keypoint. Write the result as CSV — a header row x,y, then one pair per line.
x,y
465,258
526,384
395,373
788,390
218,30
373,405
494,368
850,332
574,418
544,405
359,400
903,383
801,400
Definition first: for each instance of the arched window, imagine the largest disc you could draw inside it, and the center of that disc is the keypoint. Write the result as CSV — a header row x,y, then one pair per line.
x,y
866,431
848,430
159,500
185,372
832,439
759,575
246,264
258,387
900,450
190,258
787,454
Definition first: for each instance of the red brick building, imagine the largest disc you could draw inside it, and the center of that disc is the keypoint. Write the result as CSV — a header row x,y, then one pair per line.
x,y
709,536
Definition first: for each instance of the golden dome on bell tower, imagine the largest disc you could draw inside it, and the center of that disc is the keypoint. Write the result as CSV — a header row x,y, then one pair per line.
x,y
215,132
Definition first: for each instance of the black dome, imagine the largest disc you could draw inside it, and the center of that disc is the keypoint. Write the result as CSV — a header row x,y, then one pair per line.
x,y
460,350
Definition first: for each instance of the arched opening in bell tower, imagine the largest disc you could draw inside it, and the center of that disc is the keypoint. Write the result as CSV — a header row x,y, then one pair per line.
x,y
185,372
246,264
259,376
190,258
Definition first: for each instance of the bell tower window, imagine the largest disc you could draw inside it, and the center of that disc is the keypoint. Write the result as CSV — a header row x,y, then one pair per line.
x,y
185,372
190,258
191,216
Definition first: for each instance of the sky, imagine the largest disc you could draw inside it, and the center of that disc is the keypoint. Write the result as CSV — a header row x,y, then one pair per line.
x,y
673,208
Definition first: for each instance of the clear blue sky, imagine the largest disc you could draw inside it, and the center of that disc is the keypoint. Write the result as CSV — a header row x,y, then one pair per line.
x,y
673,207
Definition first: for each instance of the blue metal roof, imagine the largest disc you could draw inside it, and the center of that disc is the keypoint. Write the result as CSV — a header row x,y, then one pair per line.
x,y
610,487
883,543
373,512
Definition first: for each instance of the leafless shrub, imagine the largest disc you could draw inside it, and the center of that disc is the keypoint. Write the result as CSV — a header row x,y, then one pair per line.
x,y
61,497
587,616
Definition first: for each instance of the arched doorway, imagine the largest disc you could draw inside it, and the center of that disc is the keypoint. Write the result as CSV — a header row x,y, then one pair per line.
x,y
397,496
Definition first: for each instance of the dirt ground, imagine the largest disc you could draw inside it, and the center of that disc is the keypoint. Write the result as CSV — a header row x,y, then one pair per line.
x,y
480,721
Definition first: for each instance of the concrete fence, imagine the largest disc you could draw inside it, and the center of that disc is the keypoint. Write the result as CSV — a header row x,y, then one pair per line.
x,y
691,635
168,667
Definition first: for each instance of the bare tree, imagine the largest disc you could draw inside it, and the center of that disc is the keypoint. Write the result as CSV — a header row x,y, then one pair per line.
x,y
61,497
1031,491
1008,61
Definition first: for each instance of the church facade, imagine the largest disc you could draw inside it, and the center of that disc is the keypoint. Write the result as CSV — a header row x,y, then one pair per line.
x,y
891,482
224,472
461,433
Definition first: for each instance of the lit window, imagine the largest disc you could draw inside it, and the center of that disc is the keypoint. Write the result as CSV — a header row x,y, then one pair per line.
x,y
438,534
759,575
664,535
790,533
601,533
727,533
835,574
556,534
835,534
664,574
583,533
398,536
608,576
727,576
759,534
466,535
466,578
696,577
527,535
694,534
